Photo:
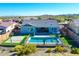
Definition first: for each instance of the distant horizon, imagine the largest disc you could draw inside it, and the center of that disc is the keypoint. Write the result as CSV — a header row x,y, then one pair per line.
x,y
40,15
36,9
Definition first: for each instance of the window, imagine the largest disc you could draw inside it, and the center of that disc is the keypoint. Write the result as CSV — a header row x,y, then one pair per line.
x,y
55,29
30,28
42,30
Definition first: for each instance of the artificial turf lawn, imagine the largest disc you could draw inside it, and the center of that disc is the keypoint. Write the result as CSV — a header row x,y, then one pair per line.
x,y
15,37
8,42
67,41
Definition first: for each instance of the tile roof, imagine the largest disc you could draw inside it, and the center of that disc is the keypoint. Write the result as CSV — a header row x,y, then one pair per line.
x,y
76,22
41,23
5,23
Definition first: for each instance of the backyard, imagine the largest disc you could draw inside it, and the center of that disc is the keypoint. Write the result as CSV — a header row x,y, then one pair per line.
x,y
33,50
21,48
14,40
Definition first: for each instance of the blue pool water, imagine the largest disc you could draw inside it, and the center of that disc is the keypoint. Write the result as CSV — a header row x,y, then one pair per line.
x,y
42,40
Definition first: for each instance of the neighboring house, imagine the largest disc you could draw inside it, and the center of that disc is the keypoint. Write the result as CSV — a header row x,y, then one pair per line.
x,y
74,25
5,29
72,30
40,27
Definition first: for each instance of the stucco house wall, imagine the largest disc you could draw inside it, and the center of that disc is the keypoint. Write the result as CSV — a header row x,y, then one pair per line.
x,y
11,27
4,36
32,30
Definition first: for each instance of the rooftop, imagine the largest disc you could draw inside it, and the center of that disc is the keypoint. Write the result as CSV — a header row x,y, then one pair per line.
x,y
76,22
41,23
5,23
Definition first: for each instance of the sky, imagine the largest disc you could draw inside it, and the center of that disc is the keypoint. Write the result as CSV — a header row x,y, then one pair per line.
x,y
34,9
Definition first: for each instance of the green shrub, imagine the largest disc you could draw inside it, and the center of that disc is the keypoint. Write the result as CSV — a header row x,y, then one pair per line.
x,y
18,48
24,50
27,51
75,50
48,50
59,49
32,47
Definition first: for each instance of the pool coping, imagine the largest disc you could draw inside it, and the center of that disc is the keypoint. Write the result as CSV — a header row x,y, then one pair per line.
x,y
59,41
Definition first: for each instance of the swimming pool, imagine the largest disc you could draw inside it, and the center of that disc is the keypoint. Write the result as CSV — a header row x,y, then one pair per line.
x,y
44,40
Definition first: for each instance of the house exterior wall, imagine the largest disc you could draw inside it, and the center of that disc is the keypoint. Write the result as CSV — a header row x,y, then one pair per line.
x,y
27,30
54,30
11,27
6,35
32,30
